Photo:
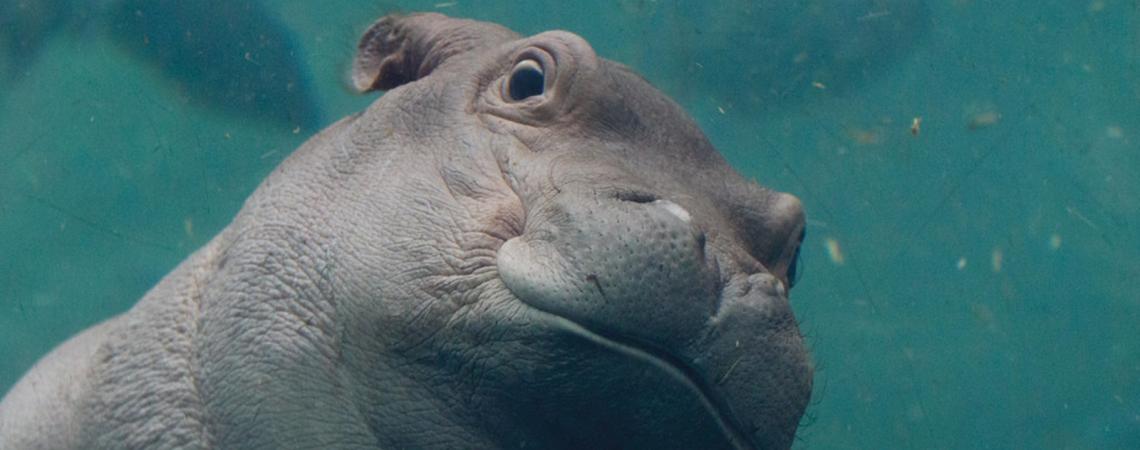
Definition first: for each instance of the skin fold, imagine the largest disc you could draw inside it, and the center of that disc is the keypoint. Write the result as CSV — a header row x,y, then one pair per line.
x,y
520,244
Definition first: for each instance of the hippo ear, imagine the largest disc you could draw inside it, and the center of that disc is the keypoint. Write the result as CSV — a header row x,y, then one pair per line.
x,y
401,49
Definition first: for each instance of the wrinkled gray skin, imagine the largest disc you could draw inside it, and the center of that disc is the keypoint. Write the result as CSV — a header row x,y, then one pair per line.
x,y
454,268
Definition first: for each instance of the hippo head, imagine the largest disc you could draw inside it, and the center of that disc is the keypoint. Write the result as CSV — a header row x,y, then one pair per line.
x,y
577,265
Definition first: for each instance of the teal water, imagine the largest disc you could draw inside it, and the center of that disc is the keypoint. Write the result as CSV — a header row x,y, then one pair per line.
x,y
985,297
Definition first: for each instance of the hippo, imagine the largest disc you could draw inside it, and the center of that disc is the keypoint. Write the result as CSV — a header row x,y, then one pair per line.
x,y
519,244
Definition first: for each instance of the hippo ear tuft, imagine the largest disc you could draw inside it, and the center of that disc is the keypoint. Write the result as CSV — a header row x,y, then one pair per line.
x,y
400,49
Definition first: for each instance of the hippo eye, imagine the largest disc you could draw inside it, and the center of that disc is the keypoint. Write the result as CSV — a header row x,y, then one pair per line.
x,y
527,80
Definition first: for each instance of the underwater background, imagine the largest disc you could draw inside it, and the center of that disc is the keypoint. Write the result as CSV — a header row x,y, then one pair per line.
x,y
969,170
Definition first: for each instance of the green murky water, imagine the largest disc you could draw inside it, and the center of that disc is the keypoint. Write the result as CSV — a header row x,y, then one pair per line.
x,y
969,286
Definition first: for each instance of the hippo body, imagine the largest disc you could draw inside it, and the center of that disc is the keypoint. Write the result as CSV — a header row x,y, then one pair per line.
x,y
520,244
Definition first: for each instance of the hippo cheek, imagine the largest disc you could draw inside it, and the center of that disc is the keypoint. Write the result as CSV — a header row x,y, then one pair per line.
x,y
636,278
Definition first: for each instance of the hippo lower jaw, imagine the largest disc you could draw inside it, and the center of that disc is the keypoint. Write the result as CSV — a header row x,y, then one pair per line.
x,y
668,364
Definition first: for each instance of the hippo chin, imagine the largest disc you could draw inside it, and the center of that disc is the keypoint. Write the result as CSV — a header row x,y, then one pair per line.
x,y
520,244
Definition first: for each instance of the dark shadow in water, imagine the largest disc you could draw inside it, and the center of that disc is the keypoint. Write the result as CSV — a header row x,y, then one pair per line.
x,y
786,49
231,56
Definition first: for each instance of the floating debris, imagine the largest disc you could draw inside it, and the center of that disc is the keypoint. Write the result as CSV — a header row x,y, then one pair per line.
x,y
1073,212
1114,132
833,251
984,119
995,260
961,263
873,15
864,136
915,125
1055,242
818,85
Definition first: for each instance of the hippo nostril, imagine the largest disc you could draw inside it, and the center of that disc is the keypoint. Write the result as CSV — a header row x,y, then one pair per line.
x,y
636,196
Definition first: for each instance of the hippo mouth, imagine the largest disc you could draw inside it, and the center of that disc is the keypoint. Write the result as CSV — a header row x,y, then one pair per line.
x,y
708,396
